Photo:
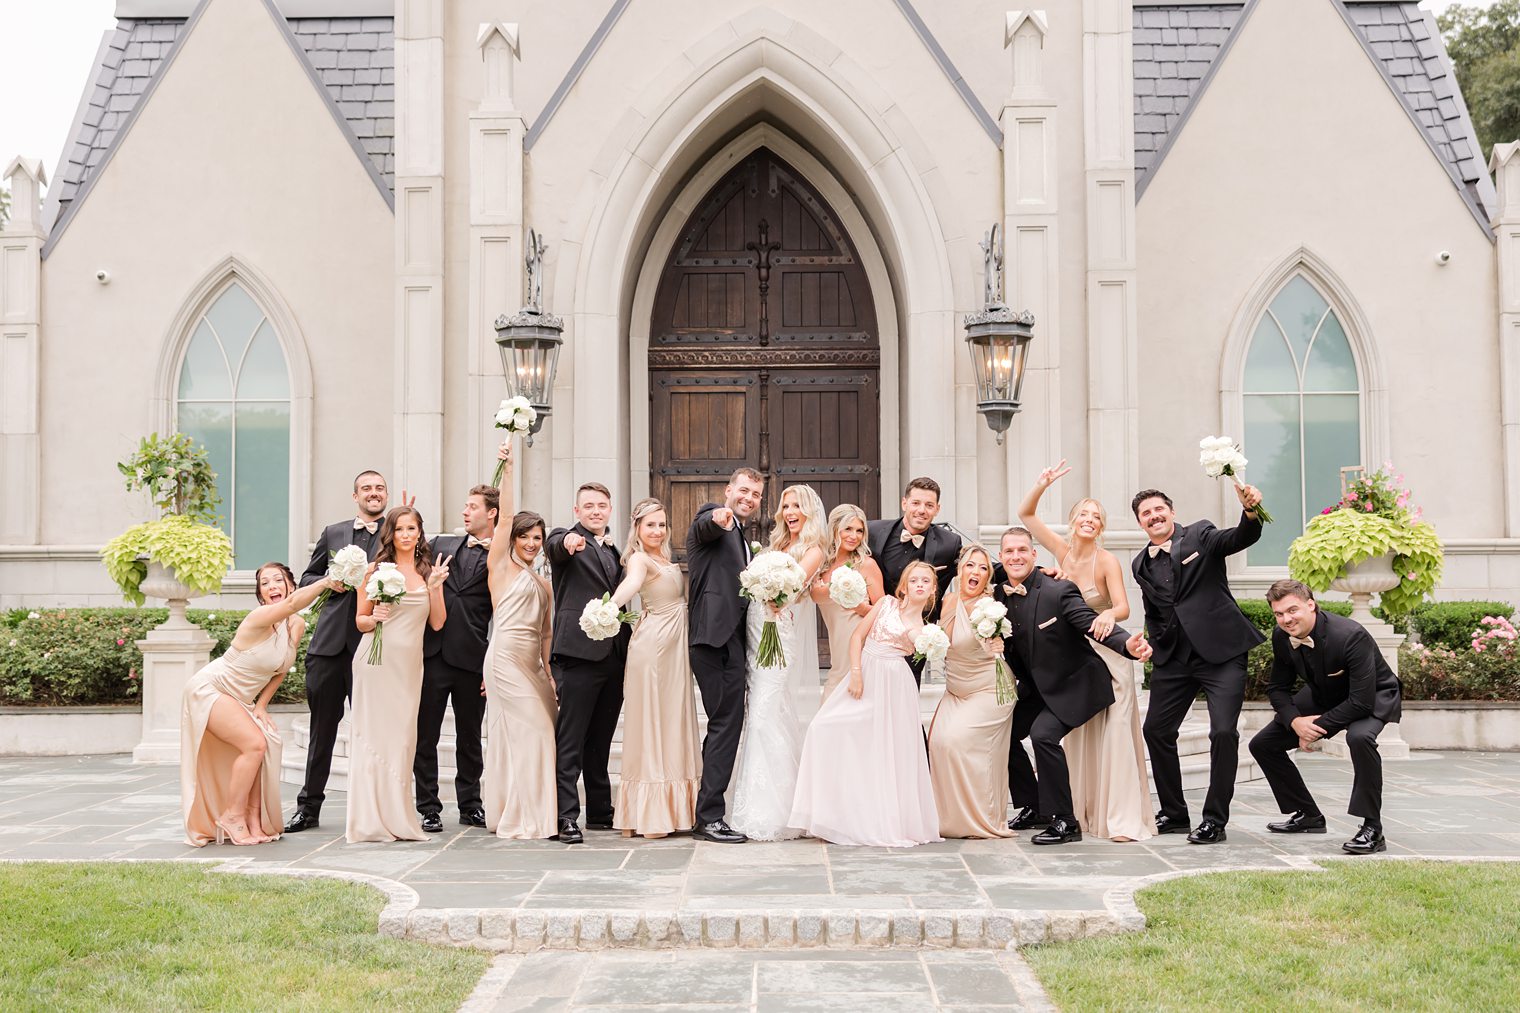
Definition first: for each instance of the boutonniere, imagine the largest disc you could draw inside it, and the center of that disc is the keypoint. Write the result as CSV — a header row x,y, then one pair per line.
x,y
754,546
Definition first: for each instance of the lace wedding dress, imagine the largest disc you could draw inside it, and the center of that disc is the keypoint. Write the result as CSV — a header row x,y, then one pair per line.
x,y
766,780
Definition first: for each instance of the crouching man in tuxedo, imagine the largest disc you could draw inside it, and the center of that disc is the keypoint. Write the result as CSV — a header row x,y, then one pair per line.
x,y
1347,686
1049,649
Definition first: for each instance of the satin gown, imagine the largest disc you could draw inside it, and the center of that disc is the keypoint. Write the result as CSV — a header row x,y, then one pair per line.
x,y
518,785
383,741
841,624
864,778
662,765
968,741
205,761
1109,789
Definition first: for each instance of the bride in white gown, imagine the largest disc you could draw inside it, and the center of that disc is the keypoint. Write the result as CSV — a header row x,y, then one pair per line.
x,y
766,779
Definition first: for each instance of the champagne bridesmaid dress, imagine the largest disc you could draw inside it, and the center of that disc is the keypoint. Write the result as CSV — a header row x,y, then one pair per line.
x,y
1106,756
205,761
383,741
841,624
518,784
968,741
662,767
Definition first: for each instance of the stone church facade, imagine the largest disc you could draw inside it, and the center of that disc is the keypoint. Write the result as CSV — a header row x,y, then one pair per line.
x,y
287,227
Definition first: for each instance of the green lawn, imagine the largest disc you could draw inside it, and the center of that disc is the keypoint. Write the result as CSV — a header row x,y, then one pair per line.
x,y
160,936
1361,935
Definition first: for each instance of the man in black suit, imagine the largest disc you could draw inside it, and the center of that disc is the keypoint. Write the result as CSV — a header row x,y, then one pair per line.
x,y
1199,639
1050,651
716,553
914,536
587,673
1347,686
330,654
453,659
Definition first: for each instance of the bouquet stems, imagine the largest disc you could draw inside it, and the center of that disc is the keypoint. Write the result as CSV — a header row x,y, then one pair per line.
x,y
1002,687
375,646
501,466
769,654
315,609
1260,510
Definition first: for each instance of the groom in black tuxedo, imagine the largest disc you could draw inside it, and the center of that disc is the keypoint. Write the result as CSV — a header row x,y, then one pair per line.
x,y
1199,639
330,653
587,673
1050,651
1347,686
716,553
453,661
914,536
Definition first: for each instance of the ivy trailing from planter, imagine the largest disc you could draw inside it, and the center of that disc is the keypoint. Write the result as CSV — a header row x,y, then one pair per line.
x,y
1372,519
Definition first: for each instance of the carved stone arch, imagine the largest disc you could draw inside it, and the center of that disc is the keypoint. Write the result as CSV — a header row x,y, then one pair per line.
x,y
1371,371
176,343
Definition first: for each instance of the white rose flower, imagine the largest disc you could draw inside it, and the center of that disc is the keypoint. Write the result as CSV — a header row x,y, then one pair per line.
x,y
33,615
847,588
931,644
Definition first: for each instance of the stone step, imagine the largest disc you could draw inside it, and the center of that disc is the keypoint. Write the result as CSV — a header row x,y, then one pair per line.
x,y
1192,748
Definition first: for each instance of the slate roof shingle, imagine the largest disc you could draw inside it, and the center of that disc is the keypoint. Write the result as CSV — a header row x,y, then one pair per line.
x,y
1174,47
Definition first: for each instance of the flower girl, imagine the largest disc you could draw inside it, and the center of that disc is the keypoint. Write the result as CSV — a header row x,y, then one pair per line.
x,y
864,778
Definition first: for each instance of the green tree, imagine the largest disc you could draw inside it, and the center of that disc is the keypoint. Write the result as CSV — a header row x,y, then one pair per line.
x,y
1484,43
5,206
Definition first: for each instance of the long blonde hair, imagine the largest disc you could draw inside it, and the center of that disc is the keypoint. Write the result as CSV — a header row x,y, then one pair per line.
x,y
838,517
815,526
643,508
1071,518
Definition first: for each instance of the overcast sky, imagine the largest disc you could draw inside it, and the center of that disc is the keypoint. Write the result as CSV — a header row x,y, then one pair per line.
x,y
47,50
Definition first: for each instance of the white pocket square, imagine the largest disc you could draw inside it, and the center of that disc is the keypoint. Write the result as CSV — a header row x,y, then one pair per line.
x,y
1332,675
1048,622
1188,560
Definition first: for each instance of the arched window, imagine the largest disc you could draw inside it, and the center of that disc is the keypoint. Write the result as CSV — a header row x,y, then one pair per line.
x,y
1302,397
233,396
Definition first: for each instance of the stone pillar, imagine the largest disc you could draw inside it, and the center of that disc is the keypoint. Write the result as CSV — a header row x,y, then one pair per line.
x,y
1506,168
20,337
496,244
172,652
1112,360
1032,257
418,352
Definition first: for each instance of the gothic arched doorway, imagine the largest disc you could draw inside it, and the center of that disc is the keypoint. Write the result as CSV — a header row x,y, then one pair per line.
x,y
764,349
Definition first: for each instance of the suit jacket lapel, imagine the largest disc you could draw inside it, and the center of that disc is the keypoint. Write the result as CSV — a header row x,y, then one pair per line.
x,y
596,551
1034,585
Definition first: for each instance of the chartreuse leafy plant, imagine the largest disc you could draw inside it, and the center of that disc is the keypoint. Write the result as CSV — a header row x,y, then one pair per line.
x,y
177,476
1371,520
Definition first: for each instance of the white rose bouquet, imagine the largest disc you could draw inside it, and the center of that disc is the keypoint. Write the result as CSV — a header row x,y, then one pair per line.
x,y
931,644
516,416
776,578
989,619
601,619
347,565
387,585
847,588
1220,457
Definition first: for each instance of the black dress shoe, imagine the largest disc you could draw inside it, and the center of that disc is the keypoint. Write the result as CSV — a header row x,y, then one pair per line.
x,y
1028,819
1060,831
599,824
1166,825
718,832
1368,841
1208,832
432,823
471,818
302,820
570,833
1300,823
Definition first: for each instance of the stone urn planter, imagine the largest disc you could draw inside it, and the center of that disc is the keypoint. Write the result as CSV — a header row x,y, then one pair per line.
x,y
162,583
1363,580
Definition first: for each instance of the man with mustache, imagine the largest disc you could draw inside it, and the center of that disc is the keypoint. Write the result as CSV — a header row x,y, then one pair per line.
x,y
1199,638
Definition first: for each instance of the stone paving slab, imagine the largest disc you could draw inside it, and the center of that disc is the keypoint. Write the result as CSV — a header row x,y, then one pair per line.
x,y
466,887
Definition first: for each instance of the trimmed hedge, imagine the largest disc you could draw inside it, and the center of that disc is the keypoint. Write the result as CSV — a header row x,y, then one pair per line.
x,y
84,656
1450,624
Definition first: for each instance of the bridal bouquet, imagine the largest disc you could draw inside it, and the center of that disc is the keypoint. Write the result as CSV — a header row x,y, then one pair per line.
x,y
989,619
1220,457
601,619
386,586
847,588
775,578
347,565
931,644
516,416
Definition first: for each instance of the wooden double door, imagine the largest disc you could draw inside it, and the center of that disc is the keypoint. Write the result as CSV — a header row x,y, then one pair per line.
x,y
764,351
